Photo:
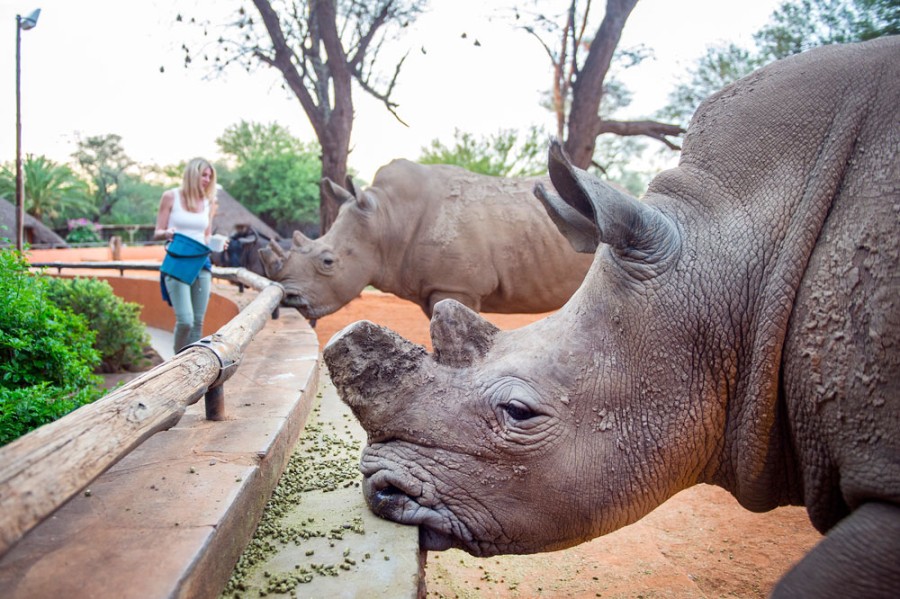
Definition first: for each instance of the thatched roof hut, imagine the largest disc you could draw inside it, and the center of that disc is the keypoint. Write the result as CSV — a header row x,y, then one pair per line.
x,y
35,232
231,216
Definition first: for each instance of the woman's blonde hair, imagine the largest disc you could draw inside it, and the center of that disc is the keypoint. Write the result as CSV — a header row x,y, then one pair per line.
x,y
191,188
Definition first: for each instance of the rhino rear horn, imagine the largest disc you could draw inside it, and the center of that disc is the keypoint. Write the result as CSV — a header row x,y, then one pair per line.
x,y
370,365
459,335
298,239
639,233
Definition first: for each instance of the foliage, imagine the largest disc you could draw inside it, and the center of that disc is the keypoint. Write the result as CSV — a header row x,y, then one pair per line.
x,y
53,192
502,154
276,175
122,192
104,160
795,26
47,357
799,25
81,230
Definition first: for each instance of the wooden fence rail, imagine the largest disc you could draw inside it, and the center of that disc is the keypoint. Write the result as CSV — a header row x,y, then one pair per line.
x,y
43,469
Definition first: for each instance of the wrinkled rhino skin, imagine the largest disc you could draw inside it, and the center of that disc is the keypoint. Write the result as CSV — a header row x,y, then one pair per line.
x,y
739,327
427,233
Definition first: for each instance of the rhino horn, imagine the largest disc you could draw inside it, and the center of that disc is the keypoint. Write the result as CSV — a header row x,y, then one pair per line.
x,y
637,231
459,335
371,366
272,258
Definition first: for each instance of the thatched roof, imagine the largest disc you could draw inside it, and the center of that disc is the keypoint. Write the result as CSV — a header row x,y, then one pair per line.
x,y
36,233
231,215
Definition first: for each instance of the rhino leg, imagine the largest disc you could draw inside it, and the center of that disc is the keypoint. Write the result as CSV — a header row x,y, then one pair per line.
x,y
860,557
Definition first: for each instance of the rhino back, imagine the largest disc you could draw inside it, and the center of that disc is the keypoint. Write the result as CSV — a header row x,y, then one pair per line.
x,y
487,237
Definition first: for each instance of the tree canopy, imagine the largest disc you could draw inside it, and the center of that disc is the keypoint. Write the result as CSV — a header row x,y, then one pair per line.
x,y
275,175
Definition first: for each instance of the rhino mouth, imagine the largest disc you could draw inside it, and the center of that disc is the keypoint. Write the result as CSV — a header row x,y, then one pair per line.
x,y
296,300
395,498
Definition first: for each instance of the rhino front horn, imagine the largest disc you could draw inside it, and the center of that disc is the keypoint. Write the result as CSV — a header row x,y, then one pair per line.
x,y
371,365
459,335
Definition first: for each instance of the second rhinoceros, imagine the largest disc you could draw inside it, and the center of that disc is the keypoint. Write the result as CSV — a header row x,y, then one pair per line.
x,y
432,232
739,327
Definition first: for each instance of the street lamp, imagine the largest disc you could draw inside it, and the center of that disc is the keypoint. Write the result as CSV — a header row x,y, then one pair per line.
x,y
25,23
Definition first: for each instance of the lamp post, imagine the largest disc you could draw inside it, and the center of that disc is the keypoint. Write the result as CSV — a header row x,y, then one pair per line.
x,y
22,23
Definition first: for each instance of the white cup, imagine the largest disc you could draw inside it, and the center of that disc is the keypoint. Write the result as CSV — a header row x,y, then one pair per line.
x,y
217,243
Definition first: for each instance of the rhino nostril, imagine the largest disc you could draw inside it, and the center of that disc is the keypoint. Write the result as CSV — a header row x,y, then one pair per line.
x,y
390,491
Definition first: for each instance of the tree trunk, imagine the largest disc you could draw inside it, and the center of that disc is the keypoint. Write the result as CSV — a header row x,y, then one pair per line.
x,y
334,166
587,91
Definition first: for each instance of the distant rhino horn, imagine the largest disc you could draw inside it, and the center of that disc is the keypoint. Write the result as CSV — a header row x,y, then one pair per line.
x,y
272,258
639,232
369,365
298,239
459,335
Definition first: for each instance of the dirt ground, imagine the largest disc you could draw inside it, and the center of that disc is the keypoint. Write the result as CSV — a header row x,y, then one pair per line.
x,y
699,544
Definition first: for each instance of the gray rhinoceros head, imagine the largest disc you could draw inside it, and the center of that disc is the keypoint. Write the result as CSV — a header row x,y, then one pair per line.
x,y
537,438
322,275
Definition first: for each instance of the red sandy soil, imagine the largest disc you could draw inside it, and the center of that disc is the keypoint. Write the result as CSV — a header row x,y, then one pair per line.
x,y
698,544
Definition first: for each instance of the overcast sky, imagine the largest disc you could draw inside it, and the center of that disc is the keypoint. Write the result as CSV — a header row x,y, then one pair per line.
x,y
92,67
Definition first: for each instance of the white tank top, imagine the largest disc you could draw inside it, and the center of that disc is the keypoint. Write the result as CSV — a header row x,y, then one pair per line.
x,y
192,224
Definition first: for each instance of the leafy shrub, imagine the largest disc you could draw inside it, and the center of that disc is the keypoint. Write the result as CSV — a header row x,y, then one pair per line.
x,y
121,336
81,230
47,358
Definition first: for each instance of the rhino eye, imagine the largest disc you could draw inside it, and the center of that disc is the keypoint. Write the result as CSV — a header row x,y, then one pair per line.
x,y
518,411
326,262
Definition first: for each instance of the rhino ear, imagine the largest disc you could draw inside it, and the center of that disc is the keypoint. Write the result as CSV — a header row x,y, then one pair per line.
x,y
334,192
459,335
368,364
580,230
351,186
639,233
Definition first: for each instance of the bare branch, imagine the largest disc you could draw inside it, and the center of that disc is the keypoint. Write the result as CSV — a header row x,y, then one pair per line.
x,y
652,129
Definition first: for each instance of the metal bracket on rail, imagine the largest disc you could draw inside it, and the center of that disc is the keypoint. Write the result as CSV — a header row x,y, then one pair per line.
x,y
215,393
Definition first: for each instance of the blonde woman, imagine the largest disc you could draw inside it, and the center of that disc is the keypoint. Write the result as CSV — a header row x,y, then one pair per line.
x,y
189,210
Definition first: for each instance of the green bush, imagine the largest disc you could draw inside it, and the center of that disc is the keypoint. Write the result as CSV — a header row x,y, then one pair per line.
x,y
47,358
81,230
121,336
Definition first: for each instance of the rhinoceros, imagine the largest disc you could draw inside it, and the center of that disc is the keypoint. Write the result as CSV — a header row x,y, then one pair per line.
x,y
739,326
427,233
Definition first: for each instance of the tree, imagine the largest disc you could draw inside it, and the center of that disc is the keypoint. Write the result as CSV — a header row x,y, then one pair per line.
x,y
321,47
500,155
53,191
104,160
581,64
795,26
275,175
